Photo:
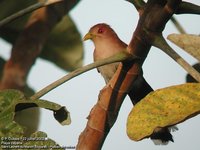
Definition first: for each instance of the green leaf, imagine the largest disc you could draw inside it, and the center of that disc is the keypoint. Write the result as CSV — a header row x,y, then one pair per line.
x,y
163,108
12,101
8,127
189,43
64,46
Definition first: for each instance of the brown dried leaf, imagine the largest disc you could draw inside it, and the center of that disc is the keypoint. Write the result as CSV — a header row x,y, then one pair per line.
x,y
188,42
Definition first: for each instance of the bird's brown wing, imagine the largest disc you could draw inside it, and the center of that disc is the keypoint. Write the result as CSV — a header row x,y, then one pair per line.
x,y
95,59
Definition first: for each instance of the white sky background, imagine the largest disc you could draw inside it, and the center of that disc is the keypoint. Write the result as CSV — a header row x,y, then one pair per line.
x,y
80,94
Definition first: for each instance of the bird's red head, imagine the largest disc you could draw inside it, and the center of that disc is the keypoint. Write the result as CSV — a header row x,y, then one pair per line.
x,y
101,29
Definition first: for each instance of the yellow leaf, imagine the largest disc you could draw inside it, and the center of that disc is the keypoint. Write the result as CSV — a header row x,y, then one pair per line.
x,y
163,108
189,43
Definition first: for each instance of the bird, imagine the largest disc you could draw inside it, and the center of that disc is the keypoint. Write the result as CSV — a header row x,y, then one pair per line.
x,y
107,43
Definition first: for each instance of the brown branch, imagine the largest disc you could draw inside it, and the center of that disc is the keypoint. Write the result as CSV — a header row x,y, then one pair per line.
x,y
29,43
188,8
104,114
24,53
139,5
173,4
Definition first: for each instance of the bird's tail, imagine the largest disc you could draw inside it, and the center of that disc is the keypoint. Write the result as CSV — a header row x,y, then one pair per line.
x,y
161,136
140,88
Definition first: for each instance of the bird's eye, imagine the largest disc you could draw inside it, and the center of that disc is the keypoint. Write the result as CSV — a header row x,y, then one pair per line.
x,y
100,30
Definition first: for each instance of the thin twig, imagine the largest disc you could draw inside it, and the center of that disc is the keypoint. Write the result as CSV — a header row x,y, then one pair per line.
x,y
116,58
178,25
161,43
27,10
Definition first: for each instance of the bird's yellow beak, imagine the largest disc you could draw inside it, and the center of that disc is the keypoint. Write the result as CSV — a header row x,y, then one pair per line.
x,y
88,36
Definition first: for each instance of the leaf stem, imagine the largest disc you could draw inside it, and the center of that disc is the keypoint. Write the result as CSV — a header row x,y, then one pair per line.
x,y
122,56
161,43
178,25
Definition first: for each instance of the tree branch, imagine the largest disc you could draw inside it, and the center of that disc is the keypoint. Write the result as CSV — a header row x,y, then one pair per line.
x,y
27,10
161,43
24,55
104,114
116,58
173,4
188,8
